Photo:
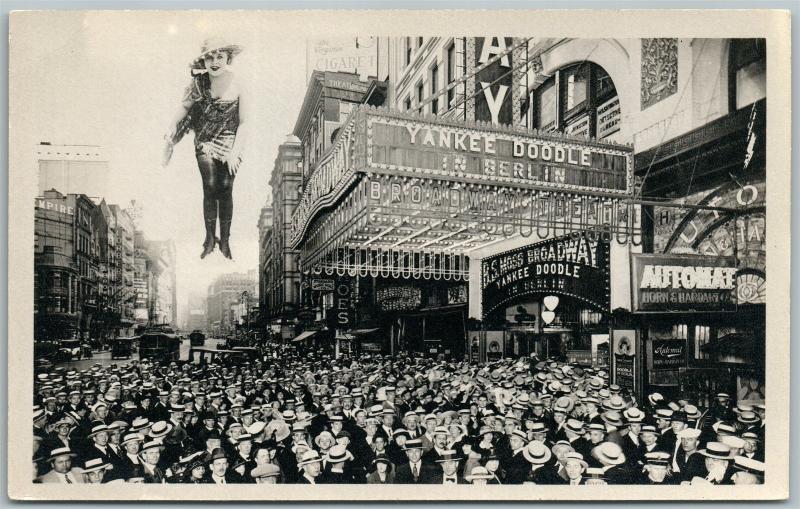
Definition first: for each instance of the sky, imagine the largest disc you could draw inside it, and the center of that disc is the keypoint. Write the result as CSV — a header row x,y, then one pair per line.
x,y
97,79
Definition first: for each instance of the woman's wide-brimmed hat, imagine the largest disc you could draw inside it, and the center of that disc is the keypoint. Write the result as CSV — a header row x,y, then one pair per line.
x,y
213,44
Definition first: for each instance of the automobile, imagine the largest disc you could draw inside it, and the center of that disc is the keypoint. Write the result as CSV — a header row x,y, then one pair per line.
x,y
159,346
122,348
70,349
197,338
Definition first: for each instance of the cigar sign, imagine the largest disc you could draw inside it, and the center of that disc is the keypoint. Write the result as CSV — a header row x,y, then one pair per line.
x,y
664,283
571,266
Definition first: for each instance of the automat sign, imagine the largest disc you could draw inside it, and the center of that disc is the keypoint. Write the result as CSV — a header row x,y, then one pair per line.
x,y
666,283
575,266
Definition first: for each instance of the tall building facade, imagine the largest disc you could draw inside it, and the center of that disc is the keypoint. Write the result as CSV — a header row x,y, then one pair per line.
x,y
76,169
223,294
280,274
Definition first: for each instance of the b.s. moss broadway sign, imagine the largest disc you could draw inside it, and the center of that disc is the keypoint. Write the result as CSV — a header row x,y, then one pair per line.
x,y
573,266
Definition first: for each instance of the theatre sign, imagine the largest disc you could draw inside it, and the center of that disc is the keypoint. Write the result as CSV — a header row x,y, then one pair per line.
x,y
397,190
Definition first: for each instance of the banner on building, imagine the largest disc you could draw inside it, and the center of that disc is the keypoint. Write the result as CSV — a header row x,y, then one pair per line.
x,y
493,83
668,353
683,283
343,303
573,266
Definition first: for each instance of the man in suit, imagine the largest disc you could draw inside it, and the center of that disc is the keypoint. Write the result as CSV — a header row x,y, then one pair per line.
x,y
130,463
311,465
440,436
150,455
61,470
448,472
218,471
413,471
515,464
687,462
100,448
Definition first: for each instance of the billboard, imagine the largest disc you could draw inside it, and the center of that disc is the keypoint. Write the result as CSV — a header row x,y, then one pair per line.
x,y
683,283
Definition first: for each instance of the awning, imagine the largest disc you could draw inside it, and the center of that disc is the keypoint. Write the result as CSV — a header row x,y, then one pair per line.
x,y
361,332
304,335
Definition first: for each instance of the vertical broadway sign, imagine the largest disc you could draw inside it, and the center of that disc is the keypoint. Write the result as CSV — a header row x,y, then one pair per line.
x,y
493,83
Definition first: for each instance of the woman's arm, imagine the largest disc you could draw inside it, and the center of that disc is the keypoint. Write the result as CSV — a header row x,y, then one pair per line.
x,y
242,131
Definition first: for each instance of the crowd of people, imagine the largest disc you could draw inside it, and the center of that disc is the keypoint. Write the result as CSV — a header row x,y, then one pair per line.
x,y
381,420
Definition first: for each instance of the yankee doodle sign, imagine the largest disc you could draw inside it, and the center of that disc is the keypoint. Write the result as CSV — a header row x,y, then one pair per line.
x,y
664,283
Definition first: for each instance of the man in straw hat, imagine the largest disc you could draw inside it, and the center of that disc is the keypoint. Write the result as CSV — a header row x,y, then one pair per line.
x,y
311,465
94,471
60,460
413,471
717,462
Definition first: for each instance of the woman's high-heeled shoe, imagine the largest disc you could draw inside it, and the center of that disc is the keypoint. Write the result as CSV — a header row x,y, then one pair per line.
x,y
208,246
224,235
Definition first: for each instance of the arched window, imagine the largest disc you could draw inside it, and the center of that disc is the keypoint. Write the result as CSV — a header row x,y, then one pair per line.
x,y
579,99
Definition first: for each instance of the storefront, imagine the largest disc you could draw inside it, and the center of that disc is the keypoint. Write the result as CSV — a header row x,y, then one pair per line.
x,y
700,299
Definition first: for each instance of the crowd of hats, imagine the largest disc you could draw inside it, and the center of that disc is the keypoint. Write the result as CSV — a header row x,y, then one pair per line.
x,y
376,419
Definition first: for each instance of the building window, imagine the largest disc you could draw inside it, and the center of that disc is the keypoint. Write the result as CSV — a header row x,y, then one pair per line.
x,y
747,78
451,73
580,100
420,97
435,89
408,51
407,104
420,40
702,335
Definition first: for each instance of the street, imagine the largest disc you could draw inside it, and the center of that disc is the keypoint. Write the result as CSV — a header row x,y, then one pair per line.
x,y
104,357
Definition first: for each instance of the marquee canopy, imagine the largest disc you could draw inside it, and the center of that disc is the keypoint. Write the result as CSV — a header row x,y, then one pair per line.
x,y
411,196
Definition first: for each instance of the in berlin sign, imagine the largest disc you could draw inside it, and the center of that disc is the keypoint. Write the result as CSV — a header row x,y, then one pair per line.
x,y
497,155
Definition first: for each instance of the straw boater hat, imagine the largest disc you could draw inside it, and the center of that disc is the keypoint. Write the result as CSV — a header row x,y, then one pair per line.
x,y
61,451
608,453
536,453
716,450
95,464
309,457
213,44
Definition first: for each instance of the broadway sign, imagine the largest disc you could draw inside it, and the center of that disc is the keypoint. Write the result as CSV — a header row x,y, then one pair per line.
x,y
573,266
667,283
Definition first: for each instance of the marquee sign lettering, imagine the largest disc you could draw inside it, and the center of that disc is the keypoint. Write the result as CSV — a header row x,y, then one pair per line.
x,y
664,283
489,156
454,154
572,266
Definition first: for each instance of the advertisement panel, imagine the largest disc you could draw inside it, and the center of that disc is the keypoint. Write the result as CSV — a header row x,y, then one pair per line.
x,y
668,353
624,348
574,266
666,283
